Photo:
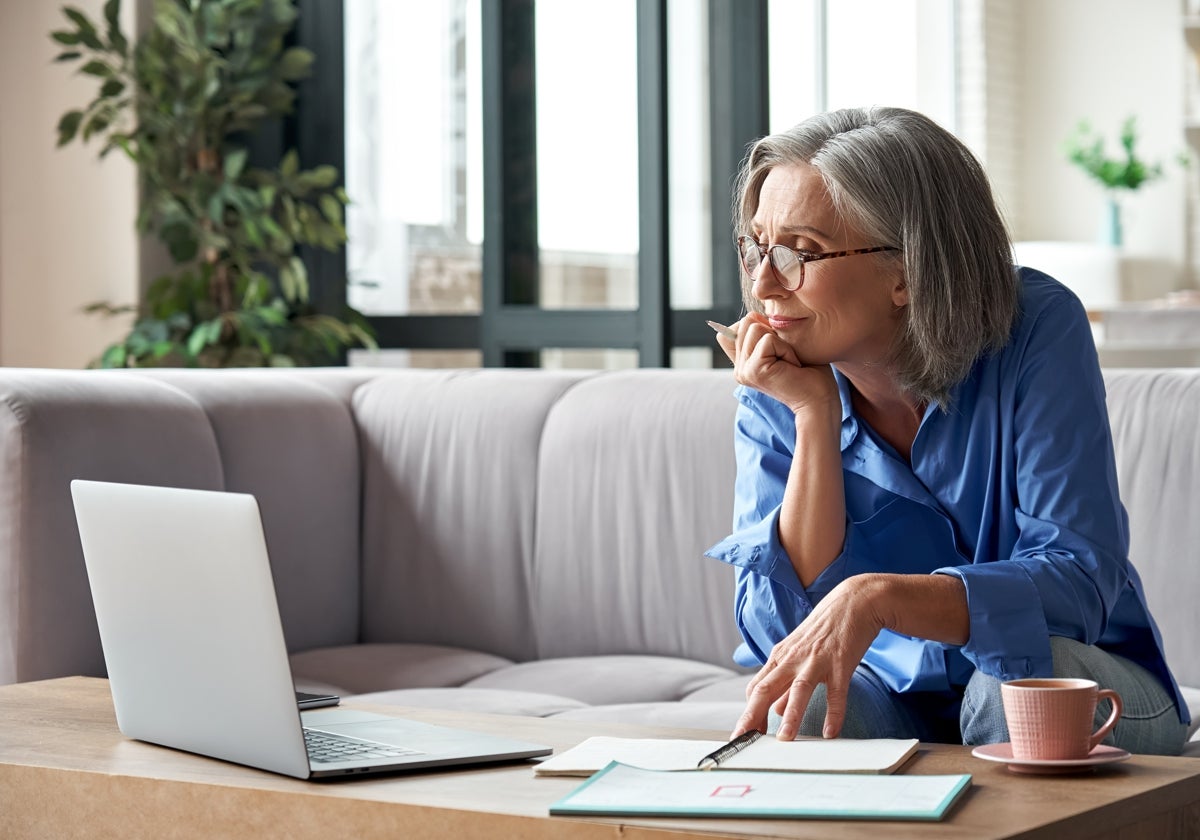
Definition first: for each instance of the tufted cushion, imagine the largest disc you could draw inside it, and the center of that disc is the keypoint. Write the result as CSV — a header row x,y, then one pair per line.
x,y
607,679
496,701
361,668
716,716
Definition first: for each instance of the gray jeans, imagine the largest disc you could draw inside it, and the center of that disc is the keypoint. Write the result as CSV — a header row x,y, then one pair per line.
x,y
1149,725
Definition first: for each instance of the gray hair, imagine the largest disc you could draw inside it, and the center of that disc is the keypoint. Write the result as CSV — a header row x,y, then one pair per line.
x,y
904,181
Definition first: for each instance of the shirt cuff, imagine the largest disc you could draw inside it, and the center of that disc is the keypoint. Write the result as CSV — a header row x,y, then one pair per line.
x,y
757,549
1009,638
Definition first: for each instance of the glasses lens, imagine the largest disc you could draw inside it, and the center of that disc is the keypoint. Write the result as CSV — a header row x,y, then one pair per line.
x,y
787,265
749,253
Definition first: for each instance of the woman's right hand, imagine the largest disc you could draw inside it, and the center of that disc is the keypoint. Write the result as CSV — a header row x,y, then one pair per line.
x,y
765,362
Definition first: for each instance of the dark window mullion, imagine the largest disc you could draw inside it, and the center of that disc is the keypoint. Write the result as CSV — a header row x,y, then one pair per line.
x,y
654,266
510,252
317,131
738,111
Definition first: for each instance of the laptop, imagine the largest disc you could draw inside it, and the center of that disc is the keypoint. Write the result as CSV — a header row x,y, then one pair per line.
x,y
191,635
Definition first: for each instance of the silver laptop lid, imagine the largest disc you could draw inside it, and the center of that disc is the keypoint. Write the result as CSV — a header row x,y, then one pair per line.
x,y
189,623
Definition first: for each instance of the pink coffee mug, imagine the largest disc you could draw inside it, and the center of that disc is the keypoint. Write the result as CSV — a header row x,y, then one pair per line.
x,y
1051,719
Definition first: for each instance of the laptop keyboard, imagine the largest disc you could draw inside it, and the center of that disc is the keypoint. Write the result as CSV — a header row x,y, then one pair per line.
x,y
325,747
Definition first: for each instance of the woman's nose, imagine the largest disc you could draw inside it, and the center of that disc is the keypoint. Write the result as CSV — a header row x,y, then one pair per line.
x,y
766,281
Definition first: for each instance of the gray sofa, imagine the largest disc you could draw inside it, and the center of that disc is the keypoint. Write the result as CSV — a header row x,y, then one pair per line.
x,y
524,542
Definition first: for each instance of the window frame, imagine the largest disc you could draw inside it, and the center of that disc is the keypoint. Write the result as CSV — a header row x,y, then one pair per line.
x,y
511,329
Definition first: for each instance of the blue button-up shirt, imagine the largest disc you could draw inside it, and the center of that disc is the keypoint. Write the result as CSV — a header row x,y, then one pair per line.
x,y
1013,490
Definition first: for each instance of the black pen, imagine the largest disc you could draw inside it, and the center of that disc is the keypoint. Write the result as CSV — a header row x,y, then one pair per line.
x,y
738,744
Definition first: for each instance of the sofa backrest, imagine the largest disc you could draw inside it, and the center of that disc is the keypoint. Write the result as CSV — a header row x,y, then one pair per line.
x,y
635,481
287,437
525,513
534,513
1155,418
449,465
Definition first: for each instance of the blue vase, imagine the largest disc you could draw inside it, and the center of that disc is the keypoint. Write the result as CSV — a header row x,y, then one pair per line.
x,y
1110,230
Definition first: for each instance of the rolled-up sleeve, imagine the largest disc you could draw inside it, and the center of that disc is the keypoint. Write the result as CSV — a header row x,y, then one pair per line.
x,y
769,600
1067,566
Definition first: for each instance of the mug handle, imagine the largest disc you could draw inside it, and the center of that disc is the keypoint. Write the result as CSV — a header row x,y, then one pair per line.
x,y
1115,699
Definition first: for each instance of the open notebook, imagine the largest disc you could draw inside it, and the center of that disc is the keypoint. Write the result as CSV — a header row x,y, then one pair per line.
x,y
816,755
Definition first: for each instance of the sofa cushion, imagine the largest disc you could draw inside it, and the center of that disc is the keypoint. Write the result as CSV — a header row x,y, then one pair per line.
x,y
450,463
496,701
730,690
353,669
632,488
305,477
1153,417
61,425
717,716
607,679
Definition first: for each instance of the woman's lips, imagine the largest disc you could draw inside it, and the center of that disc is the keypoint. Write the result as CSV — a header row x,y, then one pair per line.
x,y
778,322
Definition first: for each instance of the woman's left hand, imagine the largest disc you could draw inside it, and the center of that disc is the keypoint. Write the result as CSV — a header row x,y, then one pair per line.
x,y
826,648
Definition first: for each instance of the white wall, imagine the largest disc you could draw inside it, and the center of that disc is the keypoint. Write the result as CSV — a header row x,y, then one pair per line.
x,y
67,233
1102,60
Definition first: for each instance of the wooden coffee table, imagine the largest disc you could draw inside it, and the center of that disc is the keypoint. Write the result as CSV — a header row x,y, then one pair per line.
x,y
66,771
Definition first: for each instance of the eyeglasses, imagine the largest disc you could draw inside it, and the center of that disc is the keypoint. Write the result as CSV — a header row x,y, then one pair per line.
x,y
789,262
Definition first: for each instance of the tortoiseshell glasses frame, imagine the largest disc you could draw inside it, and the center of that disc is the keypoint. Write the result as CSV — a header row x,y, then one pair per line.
x,y
789,262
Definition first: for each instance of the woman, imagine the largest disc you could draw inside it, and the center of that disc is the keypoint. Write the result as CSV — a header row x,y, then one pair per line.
x,y
926,499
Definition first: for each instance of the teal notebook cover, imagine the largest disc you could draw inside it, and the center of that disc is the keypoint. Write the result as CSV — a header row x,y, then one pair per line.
x,y
622,790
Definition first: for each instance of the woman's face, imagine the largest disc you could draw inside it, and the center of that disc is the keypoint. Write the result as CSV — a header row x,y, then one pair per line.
x,y
848,309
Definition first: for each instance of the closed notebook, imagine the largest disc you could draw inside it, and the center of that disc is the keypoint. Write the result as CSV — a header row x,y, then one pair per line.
x,y
620,790
815,755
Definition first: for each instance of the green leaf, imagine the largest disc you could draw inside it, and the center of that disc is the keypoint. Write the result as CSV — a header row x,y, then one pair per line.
x,y
215,326
295,64
112,88
112,13
97,123
290,164
68,126
197,340
253,234
113,357
137,343
180,241
69,39
235,162
323,176
87,30
216,208
96,68
68,56
116,39
332,208
287,282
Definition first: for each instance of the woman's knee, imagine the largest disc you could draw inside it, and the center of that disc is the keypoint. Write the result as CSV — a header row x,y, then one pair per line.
x,y
981,718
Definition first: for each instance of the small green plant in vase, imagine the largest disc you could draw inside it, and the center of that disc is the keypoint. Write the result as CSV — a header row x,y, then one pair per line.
x,y
1126,172
182,102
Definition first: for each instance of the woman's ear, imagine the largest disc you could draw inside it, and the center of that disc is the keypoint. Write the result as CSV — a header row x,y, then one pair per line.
x,y
900,294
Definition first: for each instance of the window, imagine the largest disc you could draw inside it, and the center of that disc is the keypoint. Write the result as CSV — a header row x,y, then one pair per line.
x,y
547,184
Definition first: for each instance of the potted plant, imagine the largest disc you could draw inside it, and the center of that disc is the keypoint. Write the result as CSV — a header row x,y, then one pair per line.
x,y
181,102
1126,171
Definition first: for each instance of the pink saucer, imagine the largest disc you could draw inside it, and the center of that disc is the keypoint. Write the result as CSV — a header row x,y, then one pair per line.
x,y
1003,753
